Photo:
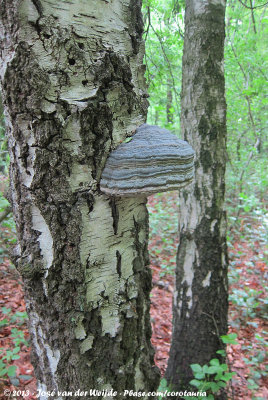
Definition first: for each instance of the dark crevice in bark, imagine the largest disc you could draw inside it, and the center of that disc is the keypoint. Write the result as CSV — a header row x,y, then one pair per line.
x,y
118,264
115,214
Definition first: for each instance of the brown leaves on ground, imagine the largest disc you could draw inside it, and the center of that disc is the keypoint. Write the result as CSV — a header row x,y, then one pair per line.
x,y
12,297
251,329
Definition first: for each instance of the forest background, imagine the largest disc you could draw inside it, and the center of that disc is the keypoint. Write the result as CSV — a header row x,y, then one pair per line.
x,y
246,185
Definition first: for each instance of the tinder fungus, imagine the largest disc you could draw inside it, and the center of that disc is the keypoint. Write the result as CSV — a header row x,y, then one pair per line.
x,y
153,161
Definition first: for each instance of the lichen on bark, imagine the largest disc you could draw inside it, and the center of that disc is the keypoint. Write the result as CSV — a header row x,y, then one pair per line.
x,y
73,89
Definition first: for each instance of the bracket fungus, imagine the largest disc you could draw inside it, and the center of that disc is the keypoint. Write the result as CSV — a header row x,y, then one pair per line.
x,y
153,161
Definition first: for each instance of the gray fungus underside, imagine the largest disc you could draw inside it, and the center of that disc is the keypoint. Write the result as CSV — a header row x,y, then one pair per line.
x,y
153,161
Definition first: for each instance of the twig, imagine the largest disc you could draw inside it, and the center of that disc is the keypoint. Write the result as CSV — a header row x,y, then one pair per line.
x,y
168,62
249,159
214,321
149,23
252,17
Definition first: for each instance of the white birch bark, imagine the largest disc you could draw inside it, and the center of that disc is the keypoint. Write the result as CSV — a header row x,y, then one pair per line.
x,y
73,89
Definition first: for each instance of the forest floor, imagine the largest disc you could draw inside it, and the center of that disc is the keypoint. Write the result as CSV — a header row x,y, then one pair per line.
x,y
248,299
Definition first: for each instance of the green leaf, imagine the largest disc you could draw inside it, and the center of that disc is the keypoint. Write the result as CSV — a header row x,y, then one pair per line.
x,y
6,310
15,381
210,397
218,376
229,339
215,362
227,376
224,367
196,383
3,322
16,349
213,370
214,387
196,368
252,384
221,384
3,371
205,369
163,385
221,352
199,375
11,371
15,357
8,354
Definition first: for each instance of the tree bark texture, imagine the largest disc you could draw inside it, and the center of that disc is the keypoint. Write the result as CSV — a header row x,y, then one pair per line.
x,y
73,87
169,101
200,301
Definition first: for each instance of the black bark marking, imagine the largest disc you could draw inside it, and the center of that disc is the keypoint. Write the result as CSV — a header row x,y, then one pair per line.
x,y
38,6
118,263
115,214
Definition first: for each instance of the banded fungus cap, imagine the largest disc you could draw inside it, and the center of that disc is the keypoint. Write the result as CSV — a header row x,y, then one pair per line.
x,y
153,161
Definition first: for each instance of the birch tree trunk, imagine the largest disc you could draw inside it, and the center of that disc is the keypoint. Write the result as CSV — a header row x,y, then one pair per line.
x,y
73,89
200,302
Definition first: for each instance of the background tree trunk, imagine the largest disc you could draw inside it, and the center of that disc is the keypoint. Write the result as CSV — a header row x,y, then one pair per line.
x,y
73,89
200,302
169,101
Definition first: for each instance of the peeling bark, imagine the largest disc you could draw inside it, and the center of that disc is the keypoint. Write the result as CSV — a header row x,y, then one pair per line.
x,y
73,89
201,302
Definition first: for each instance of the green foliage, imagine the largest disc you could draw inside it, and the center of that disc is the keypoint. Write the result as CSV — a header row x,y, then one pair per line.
x,y
4,203
250,296
164,20
163,387
246,91
7,232
18,317
249,301
255,359
246,94
8,229
7,369
213,377
163,215
228,339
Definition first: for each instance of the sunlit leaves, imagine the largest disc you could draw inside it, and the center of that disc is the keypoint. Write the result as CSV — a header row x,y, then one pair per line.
x,y
246,92
164,44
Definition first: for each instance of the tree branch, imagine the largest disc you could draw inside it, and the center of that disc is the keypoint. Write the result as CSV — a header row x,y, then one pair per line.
x,y
251,7
252,17
168,62
149,23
